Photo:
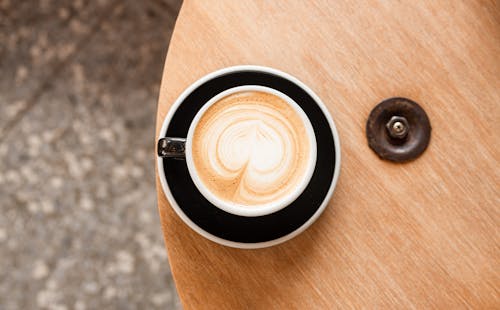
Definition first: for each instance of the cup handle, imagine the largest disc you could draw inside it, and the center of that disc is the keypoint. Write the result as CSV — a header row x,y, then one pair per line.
x,y
172,147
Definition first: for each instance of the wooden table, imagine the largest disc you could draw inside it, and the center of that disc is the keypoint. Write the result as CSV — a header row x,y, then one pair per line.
x,y
417,235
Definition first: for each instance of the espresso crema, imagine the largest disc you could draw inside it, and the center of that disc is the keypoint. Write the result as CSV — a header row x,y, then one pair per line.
x,y
251,148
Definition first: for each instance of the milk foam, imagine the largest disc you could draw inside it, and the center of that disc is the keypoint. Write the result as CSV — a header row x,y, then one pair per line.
x,y
251,148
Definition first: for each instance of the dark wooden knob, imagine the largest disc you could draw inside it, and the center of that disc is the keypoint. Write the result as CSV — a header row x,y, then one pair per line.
x,y
398,130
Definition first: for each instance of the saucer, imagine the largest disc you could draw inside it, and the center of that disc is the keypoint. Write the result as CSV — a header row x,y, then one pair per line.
x,y
240,231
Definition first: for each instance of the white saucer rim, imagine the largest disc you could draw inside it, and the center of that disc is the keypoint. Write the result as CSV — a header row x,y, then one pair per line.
x,y
187,220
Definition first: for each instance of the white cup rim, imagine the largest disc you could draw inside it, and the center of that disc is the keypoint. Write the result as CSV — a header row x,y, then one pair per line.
x,y
263,209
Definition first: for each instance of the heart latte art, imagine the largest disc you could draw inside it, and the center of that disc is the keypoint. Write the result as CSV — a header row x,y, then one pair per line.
x,y
251,148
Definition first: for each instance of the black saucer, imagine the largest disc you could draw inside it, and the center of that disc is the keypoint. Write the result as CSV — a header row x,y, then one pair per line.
x,y
240,229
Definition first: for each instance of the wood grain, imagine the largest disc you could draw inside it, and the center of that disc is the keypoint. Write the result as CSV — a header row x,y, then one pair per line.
x,y
418,235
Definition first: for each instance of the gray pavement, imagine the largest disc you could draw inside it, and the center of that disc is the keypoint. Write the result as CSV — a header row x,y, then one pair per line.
x,y
79,228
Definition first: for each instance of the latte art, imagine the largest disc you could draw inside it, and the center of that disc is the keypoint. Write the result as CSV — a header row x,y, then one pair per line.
x,y
251,148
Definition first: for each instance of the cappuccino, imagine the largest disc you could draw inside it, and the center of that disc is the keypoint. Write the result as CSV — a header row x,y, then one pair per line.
x,y
252,148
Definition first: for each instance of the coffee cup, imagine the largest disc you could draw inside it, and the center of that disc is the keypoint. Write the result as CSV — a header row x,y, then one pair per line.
x,y
241,141
257,142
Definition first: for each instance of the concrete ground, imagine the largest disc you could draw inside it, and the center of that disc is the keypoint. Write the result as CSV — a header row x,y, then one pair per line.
x,y
79,227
